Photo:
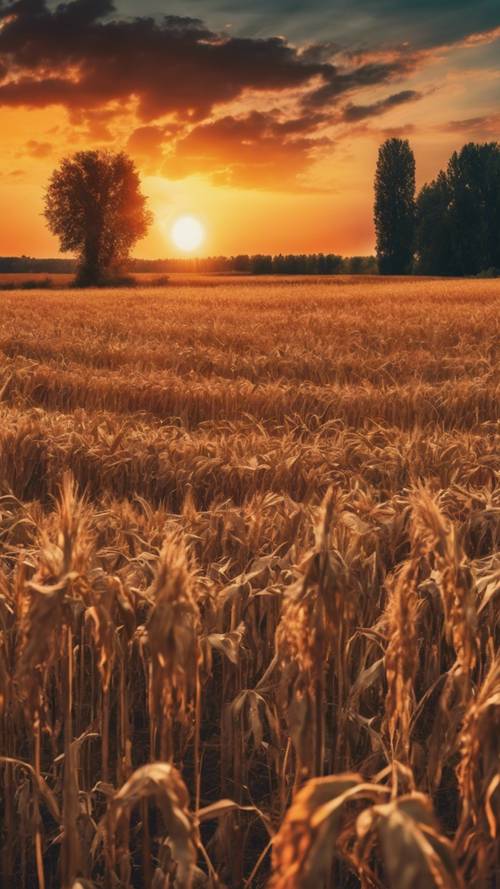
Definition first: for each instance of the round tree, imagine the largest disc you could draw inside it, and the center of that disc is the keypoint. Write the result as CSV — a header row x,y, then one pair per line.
x,y
95,206
395,207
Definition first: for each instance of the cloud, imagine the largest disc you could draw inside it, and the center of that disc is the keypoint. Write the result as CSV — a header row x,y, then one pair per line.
x,y
480,38
254,149
322,51
410,55
75,56
81,55
94,123
354,113
149,144
401,132
179,94
339,81
486,125
38,149
146,141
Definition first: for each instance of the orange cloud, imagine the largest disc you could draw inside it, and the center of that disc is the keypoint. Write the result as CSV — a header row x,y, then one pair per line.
x,y
486,125
38,149
256,149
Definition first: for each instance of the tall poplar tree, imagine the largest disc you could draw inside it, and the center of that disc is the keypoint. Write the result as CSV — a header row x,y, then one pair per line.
x,y
395,207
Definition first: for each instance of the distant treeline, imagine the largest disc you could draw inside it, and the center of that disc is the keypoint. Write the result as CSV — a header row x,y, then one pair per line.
x,y
21,264
265,264
243,264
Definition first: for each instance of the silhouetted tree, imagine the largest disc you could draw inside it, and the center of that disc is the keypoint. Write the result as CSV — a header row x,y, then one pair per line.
x,y
95,206
435,246
458,214
395,207
473,177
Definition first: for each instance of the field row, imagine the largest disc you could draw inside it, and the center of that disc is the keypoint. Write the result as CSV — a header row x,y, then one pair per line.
x,y
340,363
161,462
193,400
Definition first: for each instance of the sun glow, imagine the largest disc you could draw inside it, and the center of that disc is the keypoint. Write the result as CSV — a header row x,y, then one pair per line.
x,y
187,233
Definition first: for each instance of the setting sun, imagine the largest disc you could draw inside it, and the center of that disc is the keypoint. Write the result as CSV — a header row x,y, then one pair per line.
x,y
188,233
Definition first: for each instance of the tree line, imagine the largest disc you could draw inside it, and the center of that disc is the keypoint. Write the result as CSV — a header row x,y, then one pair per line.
x,y
263,264
452,227
243,264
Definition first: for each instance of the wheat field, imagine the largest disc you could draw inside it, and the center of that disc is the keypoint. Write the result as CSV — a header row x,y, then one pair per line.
x,y
249,586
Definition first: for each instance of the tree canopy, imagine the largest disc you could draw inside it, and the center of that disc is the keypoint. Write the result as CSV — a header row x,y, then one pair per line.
x,y
95,206
434,239
395,207
458,215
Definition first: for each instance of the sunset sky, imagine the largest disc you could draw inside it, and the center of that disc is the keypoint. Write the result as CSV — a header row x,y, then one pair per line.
x,y
261,119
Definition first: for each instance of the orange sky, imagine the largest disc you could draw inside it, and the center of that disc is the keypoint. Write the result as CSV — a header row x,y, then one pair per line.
x,y
275,164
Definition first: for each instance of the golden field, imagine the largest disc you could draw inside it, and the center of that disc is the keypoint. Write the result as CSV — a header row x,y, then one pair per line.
x,y
249,597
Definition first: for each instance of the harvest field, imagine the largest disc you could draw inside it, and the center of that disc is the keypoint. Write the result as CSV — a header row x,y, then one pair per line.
x,y
249,622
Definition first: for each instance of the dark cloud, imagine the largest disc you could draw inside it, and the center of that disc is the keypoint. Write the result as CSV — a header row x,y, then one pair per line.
x,y
84,12
337,81
175,65
81,55
320,52
354,113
